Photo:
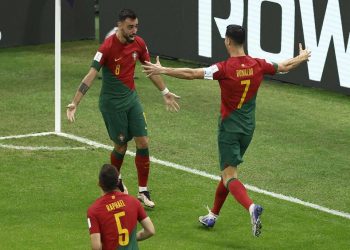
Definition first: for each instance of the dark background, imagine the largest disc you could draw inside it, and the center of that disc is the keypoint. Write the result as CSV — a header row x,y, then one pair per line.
x,y
24,22
170,28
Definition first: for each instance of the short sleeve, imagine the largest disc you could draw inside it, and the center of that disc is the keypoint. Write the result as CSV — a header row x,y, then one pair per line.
x,y
141,213
144,55
100,57
93,224
269,68
214,72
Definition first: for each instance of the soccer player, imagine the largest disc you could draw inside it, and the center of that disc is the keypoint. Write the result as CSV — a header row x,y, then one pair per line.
x,y
112,218
119,103
239,78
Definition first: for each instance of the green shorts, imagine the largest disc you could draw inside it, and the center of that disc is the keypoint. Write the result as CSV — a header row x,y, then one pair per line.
x,y
124,125
232,147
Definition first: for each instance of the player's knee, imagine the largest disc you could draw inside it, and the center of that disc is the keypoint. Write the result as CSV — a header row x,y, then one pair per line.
x,y
142,143
121,149
228,173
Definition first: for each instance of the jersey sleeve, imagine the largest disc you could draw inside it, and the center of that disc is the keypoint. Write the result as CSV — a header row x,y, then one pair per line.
x,y
144,56
100,57
269,68
214,72
93,224
141,213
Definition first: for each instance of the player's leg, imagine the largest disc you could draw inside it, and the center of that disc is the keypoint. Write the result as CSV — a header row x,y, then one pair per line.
x,y
240,193
219,200
117,155
142,163
138,129
220,197
117,128
232,147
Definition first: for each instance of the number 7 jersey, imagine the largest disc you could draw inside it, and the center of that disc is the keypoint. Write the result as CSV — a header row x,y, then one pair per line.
x,y
239,79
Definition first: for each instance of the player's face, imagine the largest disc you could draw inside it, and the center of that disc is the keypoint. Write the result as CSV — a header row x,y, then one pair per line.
x,y
128,29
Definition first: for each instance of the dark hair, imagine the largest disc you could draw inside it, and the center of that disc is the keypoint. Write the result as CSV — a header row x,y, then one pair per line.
x,y
236,33
109,178
126,13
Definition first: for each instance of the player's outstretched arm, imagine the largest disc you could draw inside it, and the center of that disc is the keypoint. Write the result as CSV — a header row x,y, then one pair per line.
x,y
147,230
288,65
170,98
82,89
152,69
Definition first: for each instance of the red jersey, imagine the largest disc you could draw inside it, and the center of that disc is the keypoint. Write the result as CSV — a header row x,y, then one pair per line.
x,y
115,216
121,58
239,79
118,63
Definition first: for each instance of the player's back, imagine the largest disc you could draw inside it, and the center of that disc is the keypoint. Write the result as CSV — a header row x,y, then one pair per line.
x,y
240,78
115,216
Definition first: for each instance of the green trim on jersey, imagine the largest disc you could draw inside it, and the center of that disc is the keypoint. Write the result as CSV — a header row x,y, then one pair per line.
x,y
96,65
241,120
275,65
115,96
132,242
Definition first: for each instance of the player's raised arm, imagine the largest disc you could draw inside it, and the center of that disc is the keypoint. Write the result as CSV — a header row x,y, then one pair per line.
x,y
287,65
170,98
82,89
152,69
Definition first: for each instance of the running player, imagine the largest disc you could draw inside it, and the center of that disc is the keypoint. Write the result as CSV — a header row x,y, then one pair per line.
x,y
239,78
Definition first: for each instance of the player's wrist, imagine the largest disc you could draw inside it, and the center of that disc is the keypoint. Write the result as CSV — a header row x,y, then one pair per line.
x,y
165,91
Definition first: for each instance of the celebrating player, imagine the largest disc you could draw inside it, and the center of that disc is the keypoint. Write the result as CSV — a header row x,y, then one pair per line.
x,y
119,103
239,78
113,218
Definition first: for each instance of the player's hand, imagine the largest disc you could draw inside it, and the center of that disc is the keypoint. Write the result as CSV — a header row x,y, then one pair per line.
x,y
153,68
170,100
304,54
71,108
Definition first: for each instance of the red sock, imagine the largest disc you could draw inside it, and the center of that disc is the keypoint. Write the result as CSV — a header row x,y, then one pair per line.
x,y
220,197
142,164
117,159
238,191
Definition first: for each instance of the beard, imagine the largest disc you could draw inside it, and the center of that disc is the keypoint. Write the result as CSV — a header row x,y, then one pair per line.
x,y
129,39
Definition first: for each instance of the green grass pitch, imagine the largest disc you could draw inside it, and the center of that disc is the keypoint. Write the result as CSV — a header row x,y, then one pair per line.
x,y
300,148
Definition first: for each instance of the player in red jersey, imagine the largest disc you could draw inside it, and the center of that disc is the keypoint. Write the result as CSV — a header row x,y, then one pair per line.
x,y
239,78
112,218
119,103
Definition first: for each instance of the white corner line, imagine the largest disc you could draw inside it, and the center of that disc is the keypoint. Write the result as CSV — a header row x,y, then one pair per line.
x,y
213,177
37,148
26,135
185,169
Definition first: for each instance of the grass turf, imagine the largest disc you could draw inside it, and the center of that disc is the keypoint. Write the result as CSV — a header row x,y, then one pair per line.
x,y
300,148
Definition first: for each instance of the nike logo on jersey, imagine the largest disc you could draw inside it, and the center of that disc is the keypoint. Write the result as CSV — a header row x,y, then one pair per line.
x,y
116,60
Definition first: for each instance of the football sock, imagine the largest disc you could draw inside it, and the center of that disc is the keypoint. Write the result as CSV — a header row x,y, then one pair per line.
x,y
142,189
142,164
220,197
238,191
117,159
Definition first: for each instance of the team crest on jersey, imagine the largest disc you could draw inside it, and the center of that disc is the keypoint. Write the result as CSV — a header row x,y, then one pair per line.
x,y
121,137
134,55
